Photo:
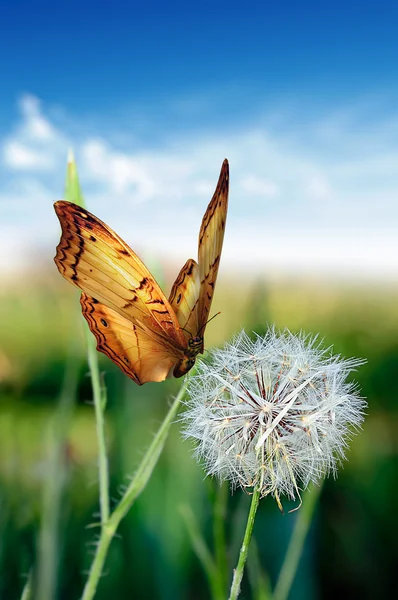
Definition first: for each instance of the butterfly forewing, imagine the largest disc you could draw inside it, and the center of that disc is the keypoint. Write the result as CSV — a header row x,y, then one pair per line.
x,y
192,292
211,238
95,259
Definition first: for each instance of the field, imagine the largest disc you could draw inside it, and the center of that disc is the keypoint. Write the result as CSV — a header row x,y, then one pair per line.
x,y
48,470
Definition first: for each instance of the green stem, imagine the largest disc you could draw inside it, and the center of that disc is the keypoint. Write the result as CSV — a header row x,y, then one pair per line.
x,y
296,543
97,565
99,397
149,461
136,486
73,193
238,573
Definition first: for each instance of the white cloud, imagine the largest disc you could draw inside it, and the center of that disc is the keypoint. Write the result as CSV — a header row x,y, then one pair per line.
x,y
307,201
34,144
120,172
35,126
19,156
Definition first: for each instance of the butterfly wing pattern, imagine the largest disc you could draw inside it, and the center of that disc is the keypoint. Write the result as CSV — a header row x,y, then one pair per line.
x,y
136,351
192,292
146,335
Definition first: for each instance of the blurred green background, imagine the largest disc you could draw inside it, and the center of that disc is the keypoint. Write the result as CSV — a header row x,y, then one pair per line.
x,y
351,548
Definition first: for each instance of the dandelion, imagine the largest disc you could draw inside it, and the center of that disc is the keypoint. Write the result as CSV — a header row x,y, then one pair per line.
x,y
272,414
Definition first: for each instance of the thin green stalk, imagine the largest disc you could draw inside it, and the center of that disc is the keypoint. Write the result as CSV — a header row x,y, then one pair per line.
x,y
136,486
220,547
296,544
73,193
203,553
99,397
149,461
27,590
238,573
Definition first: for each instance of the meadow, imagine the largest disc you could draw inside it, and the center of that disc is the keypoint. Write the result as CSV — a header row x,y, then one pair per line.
x,y
48,468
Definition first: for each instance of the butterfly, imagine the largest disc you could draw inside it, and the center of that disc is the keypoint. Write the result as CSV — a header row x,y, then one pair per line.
x,y
147,335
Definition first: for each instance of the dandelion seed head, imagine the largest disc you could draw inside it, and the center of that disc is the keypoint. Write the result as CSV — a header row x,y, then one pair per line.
x,y
275,412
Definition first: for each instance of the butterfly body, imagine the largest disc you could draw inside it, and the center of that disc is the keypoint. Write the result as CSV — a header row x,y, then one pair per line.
x,y
195,347
147,335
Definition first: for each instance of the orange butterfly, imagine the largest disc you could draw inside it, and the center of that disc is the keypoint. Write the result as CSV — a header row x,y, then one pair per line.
x,y
146,335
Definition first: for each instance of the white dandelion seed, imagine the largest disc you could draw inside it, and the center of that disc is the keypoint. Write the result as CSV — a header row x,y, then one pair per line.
x,y
273,413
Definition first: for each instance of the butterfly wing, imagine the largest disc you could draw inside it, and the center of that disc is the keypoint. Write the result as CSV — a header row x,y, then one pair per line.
x,y
184,298
133,322
211,237
96,260
137,351
192,292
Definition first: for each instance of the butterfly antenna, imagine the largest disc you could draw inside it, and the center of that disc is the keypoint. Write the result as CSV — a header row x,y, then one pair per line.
x,y
211,318
183,328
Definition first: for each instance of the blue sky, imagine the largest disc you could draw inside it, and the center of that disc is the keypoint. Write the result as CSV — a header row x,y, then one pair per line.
x,y
301,97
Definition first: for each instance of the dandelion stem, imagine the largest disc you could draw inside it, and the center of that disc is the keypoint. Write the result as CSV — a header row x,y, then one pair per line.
x,y
136,486
238,573
295,548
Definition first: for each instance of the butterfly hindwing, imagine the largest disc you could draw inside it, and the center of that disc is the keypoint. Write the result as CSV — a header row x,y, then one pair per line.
x,y
184,297
138,353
